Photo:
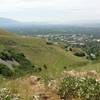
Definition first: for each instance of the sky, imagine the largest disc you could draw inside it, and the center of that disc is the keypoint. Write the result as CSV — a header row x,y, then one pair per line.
x,y
51,11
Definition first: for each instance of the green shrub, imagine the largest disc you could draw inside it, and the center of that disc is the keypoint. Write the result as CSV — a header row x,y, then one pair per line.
x,y
11,54
80,54
45,66
22,60
5,56
24,66
5,71
80,88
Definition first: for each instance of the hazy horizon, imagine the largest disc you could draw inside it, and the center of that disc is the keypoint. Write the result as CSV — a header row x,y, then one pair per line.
x,y
51,11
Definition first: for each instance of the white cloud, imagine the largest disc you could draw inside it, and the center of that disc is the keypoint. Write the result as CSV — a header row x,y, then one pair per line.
x,y
56,11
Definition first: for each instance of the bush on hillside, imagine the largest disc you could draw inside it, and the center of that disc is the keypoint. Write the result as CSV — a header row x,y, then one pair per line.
x,y
13,55
19,57
79,89
79,53
6,56
49,43
5,71
45,66
24,67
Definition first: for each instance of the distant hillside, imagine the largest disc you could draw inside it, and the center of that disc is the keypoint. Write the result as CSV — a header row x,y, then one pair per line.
x,y
33,28
4,32
5,22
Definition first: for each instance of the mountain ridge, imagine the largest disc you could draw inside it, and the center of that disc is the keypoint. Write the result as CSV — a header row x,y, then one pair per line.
x,y
8,21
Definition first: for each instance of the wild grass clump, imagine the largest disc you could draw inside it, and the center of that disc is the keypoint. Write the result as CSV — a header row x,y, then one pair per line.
x,y
6,94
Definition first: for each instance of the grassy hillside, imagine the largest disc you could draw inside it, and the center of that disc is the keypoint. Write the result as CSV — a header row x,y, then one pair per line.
x,y
40,54
19,55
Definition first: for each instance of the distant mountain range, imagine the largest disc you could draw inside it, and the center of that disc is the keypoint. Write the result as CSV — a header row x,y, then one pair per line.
x,y
33,28
6,22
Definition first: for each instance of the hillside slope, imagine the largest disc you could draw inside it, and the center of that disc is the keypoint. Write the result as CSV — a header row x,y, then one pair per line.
x,y
40,54
16,53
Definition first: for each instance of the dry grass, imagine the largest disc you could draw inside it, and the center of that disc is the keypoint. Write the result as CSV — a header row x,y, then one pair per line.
x,y
27,91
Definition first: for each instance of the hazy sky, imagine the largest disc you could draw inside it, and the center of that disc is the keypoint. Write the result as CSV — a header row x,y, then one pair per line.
x,y
52,11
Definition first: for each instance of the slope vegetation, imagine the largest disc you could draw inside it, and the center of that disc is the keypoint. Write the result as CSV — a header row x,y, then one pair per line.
x,y
40,54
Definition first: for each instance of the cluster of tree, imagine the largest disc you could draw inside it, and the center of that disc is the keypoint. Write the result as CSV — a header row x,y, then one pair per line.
x,y
92,50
